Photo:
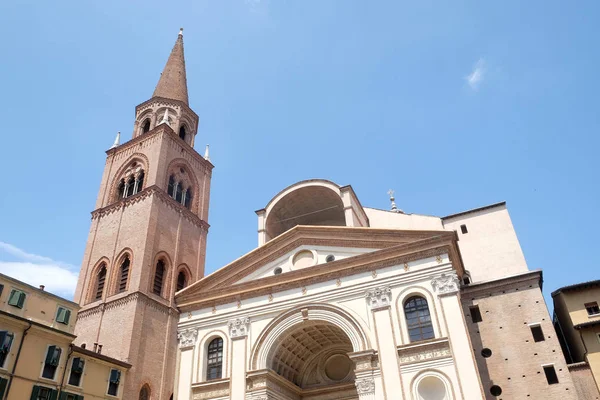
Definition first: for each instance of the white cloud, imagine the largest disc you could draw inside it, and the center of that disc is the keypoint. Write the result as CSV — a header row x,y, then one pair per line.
x,y
58,277
475,78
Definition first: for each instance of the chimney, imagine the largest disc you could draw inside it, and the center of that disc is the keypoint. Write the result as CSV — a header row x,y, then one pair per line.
x,y
99,349
42,287
95,347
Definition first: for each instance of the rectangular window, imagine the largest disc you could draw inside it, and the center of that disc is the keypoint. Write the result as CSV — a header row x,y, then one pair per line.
x,y
463,229
17,298
43,393
6,339
113,382
76,371
475,314
551,376
69,396
592,308
537,332
51,362
63,315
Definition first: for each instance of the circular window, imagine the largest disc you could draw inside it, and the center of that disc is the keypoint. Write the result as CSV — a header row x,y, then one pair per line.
x,y
277,271
330,258
496,390
337,367
486,352
303,259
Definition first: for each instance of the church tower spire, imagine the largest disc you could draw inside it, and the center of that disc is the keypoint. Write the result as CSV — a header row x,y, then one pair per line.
x,y
173,81
148,237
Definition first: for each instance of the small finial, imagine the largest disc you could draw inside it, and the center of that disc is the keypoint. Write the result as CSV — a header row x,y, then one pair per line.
x,y
393,200
180,31
117,141
165,118
206,156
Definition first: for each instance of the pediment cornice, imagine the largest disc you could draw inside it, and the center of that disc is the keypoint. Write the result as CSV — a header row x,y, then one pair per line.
x,y
395,247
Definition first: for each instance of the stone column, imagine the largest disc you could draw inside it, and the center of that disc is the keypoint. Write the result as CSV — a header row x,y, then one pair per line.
x,y
447,286
187,343
238,332
379,300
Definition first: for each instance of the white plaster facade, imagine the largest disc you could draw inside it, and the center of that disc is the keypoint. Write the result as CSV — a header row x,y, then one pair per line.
x,y
319,313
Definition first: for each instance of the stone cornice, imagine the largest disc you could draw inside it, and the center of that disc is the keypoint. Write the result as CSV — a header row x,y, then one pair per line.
x,y
484,289
163,130
317,235
206,297
120,301
148,192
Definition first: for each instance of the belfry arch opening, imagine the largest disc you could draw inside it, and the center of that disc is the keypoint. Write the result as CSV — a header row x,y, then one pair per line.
x,y
310,205
314,354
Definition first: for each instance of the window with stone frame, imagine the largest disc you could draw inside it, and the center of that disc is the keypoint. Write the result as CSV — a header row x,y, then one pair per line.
x,y
146,126
418,319
132,181
592,308
214,359
6,340
114,379
51,362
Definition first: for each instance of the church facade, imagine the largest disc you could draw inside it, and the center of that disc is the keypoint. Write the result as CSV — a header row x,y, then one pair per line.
x,y
338,300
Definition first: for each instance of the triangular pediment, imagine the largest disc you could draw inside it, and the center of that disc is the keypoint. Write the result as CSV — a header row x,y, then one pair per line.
x,y
302,252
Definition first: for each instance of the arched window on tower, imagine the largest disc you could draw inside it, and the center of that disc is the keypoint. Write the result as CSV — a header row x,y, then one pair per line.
x,y
214,359
146,126
124,274
182,132
158,277
181,280
131,184
178,192
418,319
145,393
100,281
187,198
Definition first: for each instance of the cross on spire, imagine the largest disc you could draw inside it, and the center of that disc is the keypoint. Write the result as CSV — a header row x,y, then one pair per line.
x,y
393,200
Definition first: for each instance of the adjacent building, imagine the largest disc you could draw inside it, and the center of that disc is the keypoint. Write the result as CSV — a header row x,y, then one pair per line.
x,y
577,323
38,359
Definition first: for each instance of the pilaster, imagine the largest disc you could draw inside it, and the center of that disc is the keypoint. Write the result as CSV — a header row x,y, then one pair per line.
x,y
187,344
447,287
238,333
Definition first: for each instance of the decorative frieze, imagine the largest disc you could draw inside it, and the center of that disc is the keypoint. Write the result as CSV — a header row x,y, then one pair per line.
x,y
187,338
379,297
239,327
424,351
365,386
447,283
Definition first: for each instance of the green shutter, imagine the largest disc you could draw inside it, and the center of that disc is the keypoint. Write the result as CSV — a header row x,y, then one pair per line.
x,y
67,316
50,355
53,395
60,315
3,383
15,298
21,300
34,393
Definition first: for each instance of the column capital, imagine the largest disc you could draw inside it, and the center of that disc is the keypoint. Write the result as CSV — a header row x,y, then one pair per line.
x,y
187,338
239,327
446,283
379,298
365,386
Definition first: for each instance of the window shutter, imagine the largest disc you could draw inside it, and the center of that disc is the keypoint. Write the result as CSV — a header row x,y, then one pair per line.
x,y
13,300
35,393
50,355
6,339
53,395
60,315
21,300
78,364
3,383
56,357
115,376
67,316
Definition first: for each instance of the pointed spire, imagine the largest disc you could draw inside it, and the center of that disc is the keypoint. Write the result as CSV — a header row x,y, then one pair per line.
x,y
173,82
393,200
117,141
165,118
206,156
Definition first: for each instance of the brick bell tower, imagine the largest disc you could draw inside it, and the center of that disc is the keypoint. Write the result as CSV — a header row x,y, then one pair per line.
x,y
147,238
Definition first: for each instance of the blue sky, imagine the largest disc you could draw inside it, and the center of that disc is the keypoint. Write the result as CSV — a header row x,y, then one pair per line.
x,y
454,104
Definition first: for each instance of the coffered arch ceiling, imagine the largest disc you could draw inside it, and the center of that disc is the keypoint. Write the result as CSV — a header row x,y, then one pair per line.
x,y
313,354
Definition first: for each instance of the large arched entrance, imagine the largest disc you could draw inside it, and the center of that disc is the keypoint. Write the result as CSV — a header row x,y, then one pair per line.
x,y
304,353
